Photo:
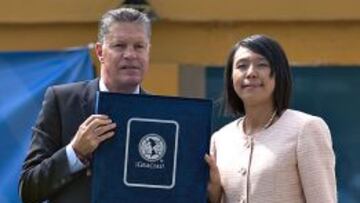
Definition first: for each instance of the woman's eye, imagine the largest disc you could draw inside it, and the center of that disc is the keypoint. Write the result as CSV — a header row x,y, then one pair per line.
x,y
241,66
263,65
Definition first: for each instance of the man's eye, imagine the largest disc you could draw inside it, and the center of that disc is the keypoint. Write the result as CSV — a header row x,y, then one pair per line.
x,y
120,45
139,46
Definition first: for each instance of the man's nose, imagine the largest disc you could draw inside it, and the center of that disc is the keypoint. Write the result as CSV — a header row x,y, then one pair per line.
x,y
129,52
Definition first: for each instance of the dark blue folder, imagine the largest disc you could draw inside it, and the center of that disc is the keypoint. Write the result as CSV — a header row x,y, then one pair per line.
x,y
157,153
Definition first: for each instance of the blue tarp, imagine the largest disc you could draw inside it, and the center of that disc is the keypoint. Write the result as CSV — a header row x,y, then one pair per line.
x,y
24,77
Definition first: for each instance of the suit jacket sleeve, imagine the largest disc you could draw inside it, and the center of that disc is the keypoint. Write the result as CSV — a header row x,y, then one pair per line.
x,y
45,169
316,162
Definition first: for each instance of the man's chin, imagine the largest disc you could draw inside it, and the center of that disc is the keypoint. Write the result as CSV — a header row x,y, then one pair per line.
x,y
132,82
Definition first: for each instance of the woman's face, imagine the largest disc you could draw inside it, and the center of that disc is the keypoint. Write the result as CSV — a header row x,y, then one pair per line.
x,y
251,77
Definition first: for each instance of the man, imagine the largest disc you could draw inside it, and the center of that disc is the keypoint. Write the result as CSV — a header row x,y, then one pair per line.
x,y
67,131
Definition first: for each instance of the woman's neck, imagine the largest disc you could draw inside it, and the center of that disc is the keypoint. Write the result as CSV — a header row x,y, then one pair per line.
x,y
258,118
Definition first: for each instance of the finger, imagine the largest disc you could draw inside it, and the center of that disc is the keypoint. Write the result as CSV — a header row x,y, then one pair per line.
x,y
213,152
105,128
207,158
98,122
106,136
93,117
210,159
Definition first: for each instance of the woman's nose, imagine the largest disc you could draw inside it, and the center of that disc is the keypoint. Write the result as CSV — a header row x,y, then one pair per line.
x,y
251,71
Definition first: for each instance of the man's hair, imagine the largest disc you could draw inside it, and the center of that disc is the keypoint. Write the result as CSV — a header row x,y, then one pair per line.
x,y
280,69
122,15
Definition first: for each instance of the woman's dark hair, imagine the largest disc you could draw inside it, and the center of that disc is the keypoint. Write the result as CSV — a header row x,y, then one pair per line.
x,y
272,51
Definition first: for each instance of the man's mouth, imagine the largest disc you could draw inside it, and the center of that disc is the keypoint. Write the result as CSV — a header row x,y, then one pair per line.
x,y
129,67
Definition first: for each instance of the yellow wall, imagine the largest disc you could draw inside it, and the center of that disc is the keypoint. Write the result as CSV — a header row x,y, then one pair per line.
x,y
204,43
162,79
257,10
305,42
46,36
42,11
53,11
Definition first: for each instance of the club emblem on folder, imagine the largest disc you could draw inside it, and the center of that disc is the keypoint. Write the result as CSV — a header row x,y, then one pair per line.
x,y
152,147
151,153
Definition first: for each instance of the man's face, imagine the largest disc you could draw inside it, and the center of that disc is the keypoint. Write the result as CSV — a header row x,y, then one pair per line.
x,y
124,56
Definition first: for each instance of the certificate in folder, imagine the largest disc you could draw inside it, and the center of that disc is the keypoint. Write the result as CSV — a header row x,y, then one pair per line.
x,y
157,152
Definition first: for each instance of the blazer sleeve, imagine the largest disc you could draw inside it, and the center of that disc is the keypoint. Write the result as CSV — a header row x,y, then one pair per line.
x,y
45,169
316,162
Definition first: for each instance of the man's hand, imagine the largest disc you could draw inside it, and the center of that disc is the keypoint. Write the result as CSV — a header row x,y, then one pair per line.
x,y
94,130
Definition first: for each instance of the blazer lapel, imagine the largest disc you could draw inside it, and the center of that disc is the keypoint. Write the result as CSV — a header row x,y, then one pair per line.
x,y
89,98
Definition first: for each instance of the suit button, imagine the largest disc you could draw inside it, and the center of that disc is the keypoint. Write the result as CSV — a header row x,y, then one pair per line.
x,y
243,171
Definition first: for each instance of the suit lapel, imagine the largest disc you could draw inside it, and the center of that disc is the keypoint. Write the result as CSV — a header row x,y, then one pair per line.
x,y
89,98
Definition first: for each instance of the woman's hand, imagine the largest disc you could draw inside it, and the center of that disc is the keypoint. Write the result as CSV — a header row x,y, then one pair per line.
x,y
214,186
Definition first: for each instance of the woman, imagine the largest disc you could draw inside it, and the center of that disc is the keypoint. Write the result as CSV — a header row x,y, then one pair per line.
x,y
272,154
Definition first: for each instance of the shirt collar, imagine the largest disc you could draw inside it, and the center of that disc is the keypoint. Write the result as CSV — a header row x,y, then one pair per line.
x,y
103,88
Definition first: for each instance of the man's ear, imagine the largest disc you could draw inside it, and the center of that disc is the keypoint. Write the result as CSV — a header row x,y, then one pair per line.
x,y
99,52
